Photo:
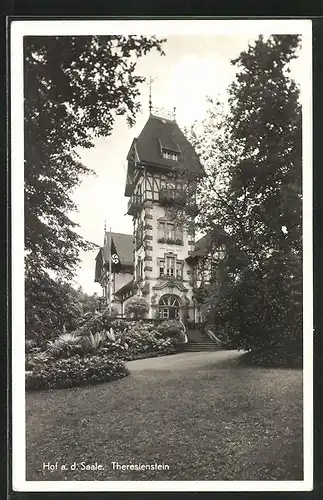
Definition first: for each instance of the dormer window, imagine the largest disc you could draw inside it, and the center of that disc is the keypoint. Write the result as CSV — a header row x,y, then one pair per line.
x,y
170,155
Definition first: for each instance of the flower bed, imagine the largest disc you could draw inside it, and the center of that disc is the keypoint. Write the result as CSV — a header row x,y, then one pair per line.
x,y
75,371
95,354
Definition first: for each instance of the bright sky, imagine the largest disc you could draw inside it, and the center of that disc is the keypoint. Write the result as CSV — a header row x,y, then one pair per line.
x,y
193,67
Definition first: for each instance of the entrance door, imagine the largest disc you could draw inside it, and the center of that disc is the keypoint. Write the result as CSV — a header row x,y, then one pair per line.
x,y
173,313
169,307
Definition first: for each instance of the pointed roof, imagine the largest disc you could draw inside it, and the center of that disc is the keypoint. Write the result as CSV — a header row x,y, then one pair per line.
x,y
208,243
123,244
202,247
161,133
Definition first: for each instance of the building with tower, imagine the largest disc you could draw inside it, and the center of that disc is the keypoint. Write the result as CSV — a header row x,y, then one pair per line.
x,y
159,260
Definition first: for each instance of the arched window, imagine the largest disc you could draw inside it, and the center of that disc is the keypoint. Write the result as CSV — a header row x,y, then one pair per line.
x,y
169,307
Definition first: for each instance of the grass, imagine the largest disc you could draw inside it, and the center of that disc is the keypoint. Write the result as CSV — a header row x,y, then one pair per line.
x,y
206,416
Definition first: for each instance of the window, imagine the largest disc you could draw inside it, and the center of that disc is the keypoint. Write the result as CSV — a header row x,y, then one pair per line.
x,y
170,231
178,233
161,230
161,267
170,155
167,266
149,187
170,266
137,197
152,185
139,235
164,313
169,307
140,269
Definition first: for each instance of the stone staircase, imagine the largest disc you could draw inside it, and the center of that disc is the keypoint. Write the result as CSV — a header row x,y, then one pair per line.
x,y
200,341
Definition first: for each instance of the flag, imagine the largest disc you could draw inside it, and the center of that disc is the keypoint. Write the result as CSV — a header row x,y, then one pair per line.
x,y
115,259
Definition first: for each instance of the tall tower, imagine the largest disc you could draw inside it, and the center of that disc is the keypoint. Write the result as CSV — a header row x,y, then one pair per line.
x,y
156,161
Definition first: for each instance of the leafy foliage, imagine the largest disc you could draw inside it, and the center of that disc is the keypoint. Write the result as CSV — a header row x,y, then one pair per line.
x,y
143,340
75,371
75,87
35,358
90,303
65,346
51,307
97,322
251,200
137,307
172,329
56,307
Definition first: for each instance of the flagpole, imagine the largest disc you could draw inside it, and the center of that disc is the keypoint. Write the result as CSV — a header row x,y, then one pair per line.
x,y
110,281
110,273
104,288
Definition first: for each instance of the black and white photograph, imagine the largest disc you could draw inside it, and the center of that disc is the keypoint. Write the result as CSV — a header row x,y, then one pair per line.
x,y
162,258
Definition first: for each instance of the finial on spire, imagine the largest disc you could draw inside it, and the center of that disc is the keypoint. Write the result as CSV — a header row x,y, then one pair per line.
x,y
105,231
150,101
174,113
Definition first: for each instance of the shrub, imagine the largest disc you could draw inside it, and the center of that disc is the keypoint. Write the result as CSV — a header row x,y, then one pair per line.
x,y
65,345
75,371
97,322
93,342
120,324
143,340
137,307
135,340
172,329
262,314
30,345
36,359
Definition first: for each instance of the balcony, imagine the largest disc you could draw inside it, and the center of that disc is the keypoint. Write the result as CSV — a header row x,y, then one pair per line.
x,y
134,204
170,196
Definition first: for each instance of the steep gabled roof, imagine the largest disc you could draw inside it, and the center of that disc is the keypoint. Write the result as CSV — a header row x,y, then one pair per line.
x,y
208,243
160,133
203,246
124,247
123,244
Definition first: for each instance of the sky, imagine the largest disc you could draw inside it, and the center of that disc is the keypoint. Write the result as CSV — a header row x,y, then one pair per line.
x,y
193,67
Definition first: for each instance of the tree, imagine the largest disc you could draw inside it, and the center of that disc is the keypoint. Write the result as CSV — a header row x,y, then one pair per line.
x,y
90,303
53,307
74,88
250,200
137,307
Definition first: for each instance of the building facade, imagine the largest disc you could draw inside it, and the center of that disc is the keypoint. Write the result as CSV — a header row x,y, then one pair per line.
x,y
164,255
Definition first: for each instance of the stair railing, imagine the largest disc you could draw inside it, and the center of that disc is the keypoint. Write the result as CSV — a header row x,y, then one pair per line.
x,y
184,332
214,337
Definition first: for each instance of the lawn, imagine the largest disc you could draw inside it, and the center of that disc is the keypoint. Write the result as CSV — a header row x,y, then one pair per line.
x,y
204,414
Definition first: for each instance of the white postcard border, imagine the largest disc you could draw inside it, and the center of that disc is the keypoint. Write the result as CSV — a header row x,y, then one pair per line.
x,y
158,28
